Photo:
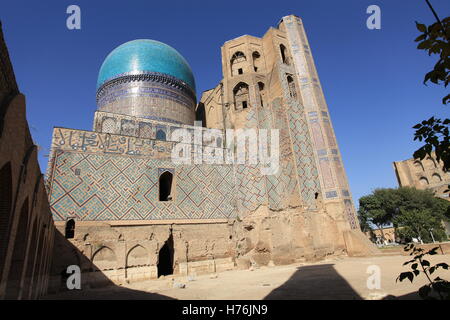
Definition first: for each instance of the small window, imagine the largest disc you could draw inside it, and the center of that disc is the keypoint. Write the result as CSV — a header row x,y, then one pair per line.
x,y
77,172
244,104
240,71
256,69
70,229
165,186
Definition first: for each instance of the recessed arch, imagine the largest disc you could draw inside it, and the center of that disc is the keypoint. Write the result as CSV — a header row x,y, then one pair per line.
x,y
418,165
32,256
238,62
5,211
161,135
257,65
109,125
436,178
423,181
430,163
238,56
137,256
104,259
19,251
241,96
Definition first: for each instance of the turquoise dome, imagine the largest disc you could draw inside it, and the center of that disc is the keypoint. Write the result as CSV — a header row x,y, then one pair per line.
x,y
143,55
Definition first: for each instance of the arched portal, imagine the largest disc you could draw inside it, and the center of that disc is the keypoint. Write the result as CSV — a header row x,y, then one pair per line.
x,y
165,258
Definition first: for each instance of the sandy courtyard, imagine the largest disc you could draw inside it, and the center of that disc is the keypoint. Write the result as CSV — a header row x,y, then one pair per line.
x,y
338,278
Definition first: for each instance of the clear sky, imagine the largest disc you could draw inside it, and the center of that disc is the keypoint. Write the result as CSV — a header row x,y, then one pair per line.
x,y
372,79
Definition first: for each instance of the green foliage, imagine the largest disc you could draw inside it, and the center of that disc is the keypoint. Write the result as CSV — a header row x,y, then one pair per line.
x,y
414,212
418,223
437,288
435,39
435,134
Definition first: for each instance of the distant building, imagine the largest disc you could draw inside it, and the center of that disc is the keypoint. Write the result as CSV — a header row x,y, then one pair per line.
x,y
425,174
382,236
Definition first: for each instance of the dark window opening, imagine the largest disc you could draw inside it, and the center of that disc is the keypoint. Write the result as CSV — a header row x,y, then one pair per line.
x,y
165,186
291,85
160,135
165,258
283,52
244,104
77,172
70,229
240,71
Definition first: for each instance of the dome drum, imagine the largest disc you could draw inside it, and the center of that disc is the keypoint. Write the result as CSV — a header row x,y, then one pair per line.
x,y
147,79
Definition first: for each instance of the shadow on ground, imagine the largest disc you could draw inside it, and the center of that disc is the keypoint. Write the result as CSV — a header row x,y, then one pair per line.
x,y
322,282
318,282
107,293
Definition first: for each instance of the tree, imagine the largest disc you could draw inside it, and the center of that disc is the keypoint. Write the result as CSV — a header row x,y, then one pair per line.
x,y
377,208
414,213
435,39
418,224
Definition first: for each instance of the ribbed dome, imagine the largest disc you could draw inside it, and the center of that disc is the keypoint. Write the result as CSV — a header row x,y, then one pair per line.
x,y
143,55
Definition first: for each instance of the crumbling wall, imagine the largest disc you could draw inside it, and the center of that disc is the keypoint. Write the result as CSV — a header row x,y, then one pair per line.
x,y
267,237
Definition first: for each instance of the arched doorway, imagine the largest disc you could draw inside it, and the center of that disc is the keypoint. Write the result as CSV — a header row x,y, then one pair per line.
x,y
5,211
165,258
70,229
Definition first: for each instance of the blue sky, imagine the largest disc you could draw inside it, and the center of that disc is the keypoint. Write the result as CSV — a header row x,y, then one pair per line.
x,y
372,79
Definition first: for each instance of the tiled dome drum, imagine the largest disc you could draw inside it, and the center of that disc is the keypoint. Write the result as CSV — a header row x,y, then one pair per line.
x,y
148,79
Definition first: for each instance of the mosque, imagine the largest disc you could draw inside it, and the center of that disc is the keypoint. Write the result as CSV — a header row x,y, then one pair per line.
x,y
133,214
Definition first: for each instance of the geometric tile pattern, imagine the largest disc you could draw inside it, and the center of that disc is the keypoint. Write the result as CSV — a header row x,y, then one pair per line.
x,y
284,183
115,187
314,101
250,184
303,150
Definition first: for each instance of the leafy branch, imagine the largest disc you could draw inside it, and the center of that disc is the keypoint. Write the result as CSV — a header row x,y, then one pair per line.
x,y
435,40
438,285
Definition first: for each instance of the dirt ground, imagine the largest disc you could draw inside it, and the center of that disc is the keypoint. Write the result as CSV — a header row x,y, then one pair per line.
x,y
337,278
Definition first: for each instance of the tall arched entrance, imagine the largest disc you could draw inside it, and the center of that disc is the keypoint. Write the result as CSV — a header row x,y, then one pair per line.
x,y
165,258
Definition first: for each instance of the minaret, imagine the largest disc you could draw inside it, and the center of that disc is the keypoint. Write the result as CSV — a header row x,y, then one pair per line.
x,y
333,180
